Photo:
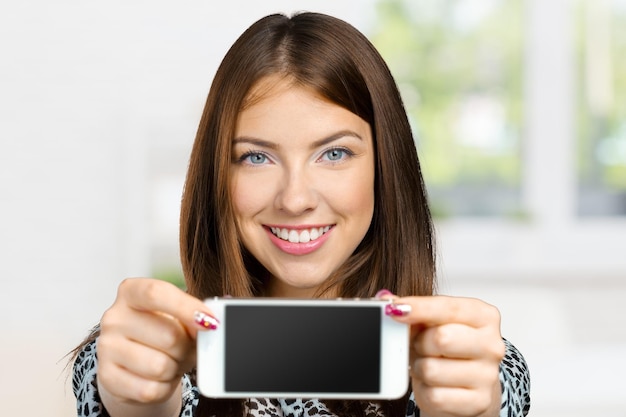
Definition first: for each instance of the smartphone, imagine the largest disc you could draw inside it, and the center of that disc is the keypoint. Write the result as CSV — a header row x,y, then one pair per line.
x,y
293,348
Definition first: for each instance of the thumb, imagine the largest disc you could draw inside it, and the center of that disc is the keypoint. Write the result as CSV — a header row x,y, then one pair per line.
x,y
154,295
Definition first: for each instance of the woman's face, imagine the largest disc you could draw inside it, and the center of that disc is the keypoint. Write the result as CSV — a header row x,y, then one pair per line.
x,y
302,184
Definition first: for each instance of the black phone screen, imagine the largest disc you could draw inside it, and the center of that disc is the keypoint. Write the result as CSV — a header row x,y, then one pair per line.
x,y
334,349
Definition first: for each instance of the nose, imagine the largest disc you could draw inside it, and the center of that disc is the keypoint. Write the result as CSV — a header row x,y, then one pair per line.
x,y
297,194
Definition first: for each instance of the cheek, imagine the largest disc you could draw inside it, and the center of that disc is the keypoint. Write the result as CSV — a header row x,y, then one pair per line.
x,y
355,196
364,198
247,197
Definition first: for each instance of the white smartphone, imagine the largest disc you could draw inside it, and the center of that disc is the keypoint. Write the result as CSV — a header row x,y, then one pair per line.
x,y
292,348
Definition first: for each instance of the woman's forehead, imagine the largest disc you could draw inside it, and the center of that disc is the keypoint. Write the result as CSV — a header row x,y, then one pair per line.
x,y
272,85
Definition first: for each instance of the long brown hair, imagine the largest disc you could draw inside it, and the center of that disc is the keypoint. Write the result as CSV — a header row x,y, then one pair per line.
x,y
338,63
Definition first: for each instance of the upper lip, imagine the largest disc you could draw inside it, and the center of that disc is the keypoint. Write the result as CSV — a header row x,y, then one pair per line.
x,y
298,227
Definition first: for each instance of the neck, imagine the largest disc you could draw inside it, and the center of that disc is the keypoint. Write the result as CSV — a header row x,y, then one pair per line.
x,y
277,289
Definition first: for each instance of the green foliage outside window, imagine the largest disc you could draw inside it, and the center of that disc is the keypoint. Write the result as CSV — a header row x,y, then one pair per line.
x,y
172,274
459,67
600,46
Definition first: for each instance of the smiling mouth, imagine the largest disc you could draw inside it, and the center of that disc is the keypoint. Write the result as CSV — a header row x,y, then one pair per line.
x,y
299,236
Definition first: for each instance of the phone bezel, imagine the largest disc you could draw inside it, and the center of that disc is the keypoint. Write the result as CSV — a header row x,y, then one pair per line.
x,y
394,353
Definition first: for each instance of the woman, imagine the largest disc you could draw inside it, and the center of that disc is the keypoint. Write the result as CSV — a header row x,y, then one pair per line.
x,y
304,181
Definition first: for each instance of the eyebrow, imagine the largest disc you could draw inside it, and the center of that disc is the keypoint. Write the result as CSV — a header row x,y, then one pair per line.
x,y
317,143
255,141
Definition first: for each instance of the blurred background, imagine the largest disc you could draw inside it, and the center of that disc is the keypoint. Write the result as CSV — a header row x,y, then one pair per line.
x,y
519,110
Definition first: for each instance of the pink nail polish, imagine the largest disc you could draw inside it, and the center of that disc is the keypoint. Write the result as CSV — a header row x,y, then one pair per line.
x,y
397,310
383,293
205,321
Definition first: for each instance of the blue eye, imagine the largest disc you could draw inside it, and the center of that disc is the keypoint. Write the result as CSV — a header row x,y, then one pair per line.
x,y
337,154
254,158
257,158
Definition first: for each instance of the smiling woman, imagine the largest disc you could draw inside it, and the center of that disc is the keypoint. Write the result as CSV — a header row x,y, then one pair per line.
x,y
303,182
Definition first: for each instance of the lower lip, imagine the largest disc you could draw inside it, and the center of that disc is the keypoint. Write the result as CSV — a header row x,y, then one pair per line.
x,y
298,248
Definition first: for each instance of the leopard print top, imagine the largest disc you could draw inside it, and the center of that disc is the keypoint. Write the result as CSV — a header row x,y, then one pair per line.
x,y
514,378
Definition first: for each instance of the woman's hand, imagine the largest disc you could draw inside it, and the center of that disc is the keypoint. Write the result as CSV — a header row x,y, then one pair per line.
x,y
146,344
456,349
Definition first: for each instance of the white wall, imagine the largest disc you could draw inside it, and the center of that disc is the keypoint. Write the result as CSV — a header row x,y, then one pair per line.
x,y
98,108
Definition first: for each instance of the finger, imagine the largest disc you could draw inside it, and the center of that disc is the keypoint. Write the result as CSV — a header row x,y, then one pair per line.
x,y
160,332
436,310
447,401
457,341
460,373
385,294
155,295
128,386
140,360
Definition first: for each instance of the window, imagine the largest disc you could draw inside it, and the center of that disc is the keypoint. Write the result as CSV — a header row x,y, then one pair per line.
x,y
459,68
600,45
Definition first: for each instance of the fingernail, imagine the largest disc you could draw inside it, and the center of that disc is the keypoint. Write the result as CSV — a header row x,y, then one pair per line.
x,y
397,310
205,321
383,293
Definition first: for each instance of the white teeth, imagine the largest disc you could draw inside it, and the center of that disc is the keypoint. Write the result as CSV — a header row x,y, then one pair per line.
x,y
303,236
